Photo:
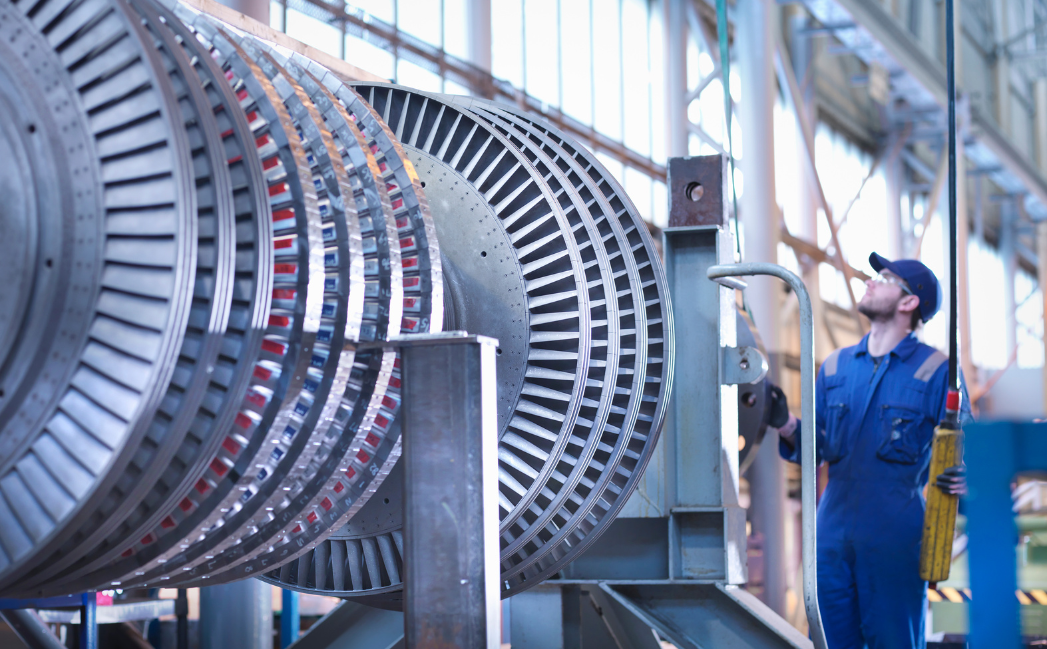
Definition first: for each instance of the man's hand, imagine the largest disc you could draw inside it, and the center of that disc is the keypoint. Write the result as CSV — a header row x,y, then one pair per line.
x,y
781,418
953,481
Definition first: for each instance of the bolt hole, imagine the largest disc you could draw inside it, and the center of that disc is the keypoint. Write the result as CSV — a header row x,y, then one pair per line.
x,y
423,184
386,501
483,253
498,350
32,128
49,263
744,364
695,191
748,399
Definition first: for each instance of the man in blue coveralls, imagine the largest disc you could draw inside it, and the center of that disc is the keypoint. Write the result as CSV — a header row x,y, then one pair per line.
x,y
877,406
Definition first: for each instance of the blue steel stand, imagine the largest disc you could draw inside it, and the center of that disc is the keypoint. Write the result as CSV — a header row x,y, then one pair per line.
x,y
88,621
996,453
290,622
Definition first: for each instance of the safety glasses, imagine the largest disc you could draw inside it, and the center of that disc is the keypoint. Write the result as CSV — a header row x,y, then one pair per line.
x,y
881,278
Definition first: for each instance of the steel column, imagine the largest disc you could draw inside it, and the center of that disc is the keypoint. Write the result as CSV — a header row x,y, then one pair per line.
x,y
89,621
963,294
755,36
182,619
478,15
1009,255
290,623
450,526
257,9
674,14
996,452
1040,133
1002,68
237,616
808,206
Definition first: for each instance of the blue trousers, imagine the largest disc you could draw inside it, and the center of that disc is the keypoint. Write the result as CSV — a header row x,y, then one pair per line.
x,y
869,587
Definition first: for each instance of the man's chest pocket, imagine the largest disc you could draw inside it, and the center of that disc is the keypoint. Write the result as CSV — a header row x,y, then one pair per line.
x,y
905,434
837,442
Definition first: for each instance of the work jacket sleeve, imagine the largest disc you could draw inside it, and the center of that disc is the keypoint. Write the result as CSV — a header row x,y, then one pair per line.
x,y
790,450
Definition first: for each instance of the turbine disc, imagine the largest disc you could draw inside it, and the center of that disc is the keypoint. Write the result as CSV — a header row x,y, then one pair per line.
x,y
100,339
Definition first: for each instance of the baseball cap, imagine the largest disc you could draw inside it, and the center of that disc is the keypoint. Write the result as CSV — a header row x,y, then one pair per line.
x,y
920,279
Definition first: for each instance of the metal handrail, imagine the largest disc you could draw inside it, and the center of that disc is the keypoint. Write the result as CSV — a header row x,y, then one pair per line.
x,y
723,274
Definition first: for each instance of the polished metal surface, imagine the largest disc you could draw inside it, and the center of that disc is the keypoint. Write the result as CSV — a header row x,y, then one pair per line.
x,y
451,580
223,250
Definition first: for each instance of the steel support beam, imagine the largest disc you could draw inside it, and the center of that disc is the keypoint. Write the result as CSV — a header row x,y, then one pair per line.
x,y
257,9
451,579
755,39
1040,133
997,452
30,628
963,289
262,30
1002,66
478,17
1009,254
885,40
355,626
677,124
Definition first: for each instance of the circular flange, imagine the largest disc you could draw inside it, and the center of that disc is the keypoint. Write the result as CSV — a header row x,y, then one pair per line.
x,y
90,380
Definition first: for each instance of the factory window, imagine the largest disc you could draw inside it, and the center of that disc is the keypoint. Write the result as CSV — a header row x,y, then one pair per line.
x,y
603,73
1029,319
934,253
989,320
306,23
859,217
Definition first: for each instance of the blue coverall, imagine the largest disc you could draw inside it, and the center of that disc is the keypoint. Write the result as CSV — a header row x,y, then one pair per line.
x,y
875,428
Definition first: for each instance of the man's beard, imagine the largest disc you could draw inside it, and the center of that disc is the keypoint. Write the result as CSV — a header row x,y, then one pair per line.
x,y
882,312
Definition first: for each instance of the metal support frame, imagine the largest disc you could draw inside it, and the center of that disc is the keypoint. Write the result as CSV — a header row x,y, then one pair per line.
x,y
673,562
451,569
755,37
996,453
450,525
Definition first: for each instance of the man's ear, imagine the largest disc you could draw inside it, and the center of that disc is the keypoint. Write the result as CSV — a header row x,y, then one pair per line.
x,y
909,303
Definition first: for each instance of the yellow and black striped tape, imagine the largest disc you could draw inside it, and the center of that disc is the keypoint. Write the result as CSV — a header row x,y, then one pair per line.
x,y
958,596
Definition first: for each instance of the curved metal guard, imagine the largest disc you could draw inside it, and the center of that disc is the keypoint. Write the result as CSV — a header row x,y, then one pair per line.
x,y
725,274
